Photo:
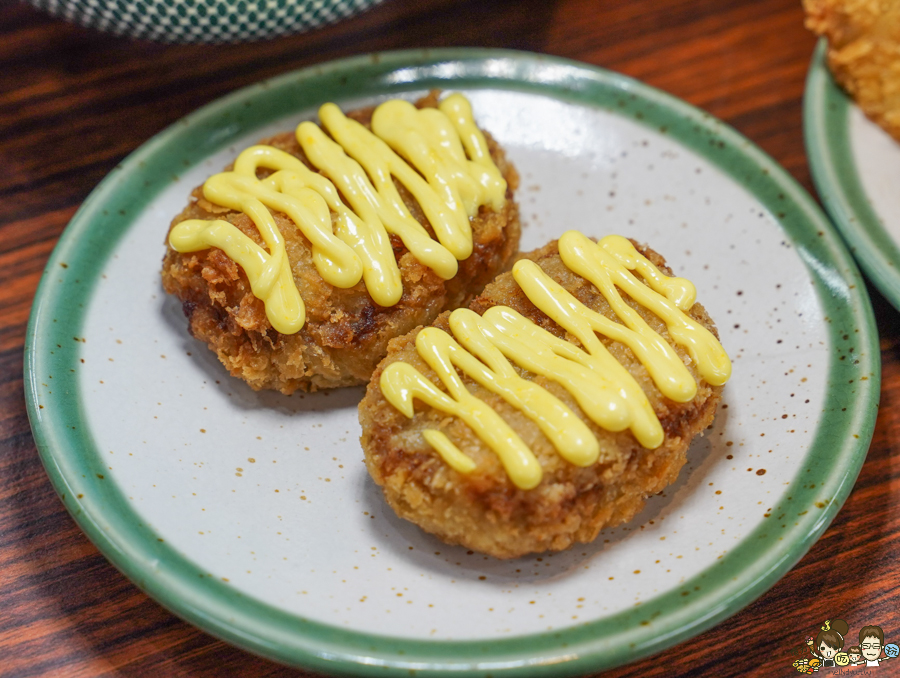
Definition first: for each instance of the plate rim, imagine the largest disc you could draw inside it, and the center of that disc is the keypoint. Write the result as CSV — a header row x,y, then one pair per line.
x,y
826,119
222,611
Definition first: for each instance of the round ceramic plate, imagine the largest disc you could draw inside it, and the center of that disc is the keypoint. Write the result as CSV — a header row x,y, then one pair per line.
x,y
251,514
855,165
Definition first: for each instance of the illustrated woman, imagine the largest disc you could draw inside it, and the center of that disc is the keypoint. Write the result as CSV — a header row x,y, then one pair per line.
x,y
830,640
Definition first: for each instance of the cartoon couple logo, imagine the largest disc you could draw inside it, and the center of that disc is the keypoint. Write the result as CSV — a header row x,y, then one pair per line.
x,y
827,649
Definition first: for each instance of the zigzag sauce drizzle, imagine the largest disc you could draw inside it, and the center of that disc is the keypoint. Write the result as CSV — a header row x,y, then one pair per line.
x,y
360,166
482,347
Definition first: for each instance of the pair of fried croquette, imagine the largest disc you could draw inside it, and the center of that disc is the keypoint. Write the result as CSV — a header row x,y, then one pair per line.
x,y
349,339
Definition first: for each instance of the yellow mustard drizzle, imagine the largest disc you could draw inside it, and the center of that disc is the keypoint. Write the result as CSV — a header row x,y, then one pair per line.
x,y
425,150
483,346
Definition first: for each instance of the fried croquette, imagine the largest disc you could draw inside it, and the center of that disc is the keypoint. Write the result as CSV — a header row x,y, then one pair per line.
x,y
863,53
484,510
345,333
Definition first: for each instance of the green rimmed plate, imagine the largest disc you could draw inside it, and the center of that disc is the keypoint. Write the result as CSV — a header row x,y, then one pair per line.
x,y
251,514
855,165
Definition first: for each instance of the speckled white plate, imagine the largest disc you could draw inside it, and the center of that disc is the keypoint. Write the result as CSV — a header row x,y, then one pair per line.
x,y
856,168
251,514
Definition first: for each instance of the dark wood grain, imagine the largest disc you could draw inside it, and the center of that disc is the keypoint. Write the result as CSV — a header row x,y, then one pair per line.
x,y
74,102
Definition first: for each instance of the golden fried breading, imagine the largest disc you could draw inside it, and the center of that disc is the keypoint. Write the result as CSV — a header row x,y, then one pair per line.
x,y
484,510
864,53
346,333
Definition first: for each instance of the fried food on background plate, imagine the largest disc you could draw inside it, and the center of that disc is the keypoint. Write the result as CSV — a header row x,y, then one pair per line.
x,y
863,53
471,450
389,221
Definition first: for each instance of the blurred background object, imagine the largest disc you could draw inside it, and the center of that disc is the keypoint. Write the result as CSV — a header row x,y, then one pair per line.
x,y
204,21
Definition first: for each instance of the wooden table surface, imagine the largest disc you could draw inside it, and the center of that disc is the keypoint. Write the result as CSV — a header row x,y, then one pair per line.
x,y
74,102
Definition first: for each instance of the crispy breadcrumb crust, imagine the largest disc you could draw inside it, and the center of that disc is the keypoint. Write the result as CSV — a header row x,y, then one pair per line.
x,y
484,511
346,333
863,53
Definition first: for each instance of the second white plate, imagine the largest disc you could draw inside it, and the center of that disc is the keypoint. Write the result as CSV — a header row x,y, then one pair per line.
x,y
856,168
